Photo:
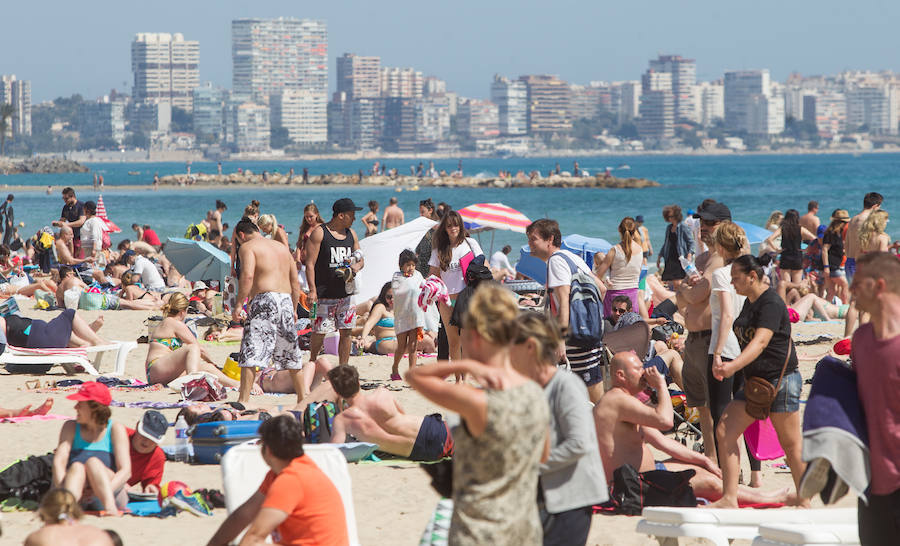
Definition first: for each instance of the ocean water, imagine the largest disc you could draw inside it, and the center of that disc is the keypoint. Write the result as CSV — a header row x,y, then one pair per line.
x,y
752,186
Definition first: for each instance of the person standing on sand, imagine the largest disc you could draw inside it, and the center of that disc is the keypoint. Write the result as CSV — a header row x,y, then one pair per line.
x,y
328,248
393,216
871,202
809,220
269,279
9,219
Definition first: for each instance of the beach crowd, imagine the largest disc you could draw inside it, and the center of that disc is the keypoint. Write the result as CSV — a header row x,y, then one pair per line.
x,y
560,392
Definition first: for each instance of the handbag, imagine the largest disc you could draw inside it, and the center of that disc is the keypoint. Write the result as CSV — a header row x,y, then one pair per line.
x,y
632,491
760,394
203,389
466,260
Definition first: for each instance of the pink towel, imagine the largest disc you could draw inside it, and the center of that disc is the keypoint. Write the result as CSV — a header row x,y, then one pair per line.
x,y
433,290
48,417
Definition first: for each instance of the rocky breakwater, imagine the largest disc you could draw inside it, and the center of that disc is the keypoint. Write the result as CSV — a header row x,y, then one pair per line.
x,y
40,165
277,179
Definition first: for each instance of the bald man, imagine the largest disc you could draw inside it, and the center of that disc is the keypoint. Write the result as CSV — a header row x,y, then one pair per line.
x,y
627,428
65,254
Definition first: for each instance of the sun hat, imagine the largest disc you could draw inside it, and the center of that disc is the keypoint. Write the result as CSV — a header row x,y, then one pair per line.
x,y
92,391
199,285
841,214
153,426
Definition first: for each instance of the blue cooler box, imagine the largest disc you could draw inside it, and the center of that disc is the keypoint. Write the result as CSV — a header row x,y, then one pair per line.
x,y
212,440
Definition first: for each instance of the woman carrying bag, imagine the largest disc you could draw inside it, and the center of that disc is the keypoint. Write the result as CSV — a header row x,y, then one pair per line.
x,y
773,382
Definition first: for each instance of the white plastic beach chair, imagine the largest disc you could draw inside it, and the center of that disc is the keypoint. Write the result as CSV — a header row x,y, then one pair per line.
x,y
243,470
69,357
820,534
720,526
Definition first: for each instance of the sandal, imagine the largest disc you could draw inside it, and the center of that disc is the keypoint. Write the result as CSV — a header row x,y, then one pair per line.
x,y
396,377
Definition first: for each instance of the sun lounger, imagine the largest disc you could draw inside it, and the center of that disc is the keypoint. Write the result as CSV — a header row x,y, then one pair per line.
x,y
69,357
720,526
820,534
243,470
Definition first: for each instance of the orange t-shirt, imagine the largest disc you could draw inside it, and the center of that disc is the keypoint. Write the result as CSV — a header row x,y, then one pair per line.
x,y
313,505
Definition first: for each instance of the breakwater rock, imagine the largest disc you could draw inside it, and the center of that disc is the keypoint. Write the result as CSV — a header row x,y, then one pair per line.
x,y
40,165
277,179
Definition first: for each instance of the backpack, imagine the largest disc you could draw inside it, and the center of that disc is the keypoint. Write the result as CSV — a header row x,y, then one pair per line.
x,y
318,421
27,479
585,308
632,491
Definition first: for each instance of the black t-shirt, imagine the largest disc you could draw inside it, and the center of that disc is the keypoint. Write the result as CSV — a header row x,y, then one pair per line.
x,y
72,213
768,311
836,251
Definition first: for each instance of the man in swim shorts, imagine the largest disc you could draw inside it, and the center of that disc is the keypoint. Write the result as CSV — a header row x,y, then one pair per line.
x,y
376,417
269,279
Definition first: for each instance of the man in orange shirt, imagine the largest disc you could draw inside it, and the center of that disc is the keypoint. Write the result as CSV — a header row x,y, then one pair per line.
x,y
297,504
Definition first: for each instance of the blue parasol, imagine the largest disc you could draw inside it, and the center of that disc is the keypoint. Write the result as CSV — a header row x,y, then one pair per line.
x,y
198,260
755,234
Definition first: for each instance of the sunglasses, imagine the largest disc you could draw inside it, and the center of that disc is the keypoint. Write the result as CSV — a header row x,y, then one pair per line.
x,y
619,311
710,223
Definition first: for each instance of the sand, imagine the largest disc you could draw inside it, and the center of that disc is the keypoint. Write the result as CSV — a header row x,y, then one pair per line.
x,y
393,502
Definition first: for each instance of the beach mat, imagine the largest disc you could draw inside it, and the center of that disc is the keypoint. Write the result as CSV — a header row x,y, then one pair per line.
x,y
48,417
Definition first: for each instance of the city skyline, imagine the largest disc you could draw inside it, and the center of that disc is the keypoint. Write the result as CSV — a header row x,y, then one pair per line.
x,y
829,39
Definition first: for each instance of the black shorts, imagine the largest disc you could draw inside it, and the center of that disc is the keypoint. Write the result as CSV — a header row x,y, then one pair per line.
x,y
434,441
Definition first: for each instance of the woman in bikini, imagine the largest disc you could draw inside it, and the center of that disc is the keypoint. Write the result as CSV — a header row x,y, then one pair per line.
x,y
381,324
269,226
133,291
370,220
175,351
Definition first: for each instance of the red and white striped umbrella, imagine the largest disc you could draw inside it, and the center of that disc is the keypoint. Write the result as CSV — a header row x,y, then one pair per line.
x,y
101,214
495,215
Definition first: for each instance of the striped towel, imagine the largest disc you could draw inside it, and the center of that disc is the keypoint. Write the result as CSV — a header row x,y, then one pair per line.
x,y
60,351
433,290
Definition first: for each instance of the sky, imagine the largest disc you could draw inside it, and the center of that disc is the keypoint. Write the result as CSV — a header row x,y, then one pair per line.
x,y
83,47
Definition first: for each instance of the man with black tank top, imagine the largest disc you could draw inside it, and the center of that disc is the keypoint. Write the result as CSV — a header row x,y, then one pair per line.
x,y
329,247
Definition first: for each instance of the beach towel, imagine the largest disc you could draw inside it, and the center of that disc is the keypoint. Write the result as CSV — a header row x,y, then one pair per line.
x,y
433,291
48,417
150,509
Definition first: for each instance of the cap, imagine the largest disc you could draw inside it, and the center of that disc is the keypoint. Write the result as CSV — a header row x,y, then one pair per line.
x,y
92,391
128,253
714,211
153,426
344,204
199,285
841,214
639,218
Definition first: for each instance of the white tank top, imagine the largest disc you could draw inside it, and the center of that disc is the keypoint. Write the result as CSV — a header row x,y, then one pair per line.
x,y
624,275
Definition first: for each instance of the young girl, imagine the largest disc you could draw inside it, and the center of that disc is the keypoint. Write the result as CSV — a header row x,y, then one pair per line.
x,y
409,319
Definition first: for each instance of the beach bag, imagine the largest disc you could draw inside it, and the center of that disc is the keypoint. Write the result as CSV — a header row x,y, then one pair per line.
x,y
760,394
632,491
203,389
762,440
466,260
318,421
585,308
27,479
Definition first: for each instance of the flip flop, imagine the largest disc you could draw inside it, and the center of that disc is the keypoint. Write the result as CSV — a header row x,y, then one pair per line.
x,y
396,377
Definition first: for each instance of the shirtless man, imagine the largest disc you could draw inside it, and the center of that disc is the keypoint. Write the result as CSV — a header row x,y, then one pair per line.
x,y
626,428
646,244
393,216
809,220
213,219
269,279
376,417
65,253
871,202
692,298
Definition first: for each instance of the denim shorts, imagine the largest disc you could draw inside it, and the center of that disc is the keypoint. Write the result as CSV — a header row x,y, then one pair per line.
x,y
788,398
837,272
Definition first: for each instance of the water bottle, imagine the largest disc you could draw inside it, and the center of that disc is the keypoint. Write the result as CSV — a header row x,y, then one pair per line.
x,y
688,266
182,449
312,312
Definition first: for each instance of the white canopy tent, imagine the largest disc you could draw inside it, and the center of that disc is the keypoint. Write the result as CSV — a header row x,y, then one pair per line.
x,y
381,253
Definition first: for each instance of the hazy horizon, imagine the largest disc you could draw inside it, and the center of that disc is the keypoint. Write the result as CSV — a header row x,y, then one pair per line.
x,y
67,48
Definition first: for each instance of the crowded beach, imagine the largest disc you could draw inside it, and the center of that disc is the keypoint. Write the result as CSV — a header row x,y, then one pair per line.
x,y
400,385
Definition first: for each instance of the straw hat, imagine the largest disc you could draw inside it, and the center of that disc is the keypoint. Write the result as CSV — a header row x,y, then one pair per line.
x,y
841,214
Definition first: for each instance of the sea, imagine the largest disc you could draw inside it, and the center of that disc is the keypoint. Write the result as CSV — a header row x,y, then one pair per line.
x,y
753,186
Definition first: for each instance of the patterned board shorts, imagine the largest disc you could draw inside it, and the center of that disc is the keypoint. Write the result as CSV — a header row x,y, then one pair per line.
x,y
334,314
270,335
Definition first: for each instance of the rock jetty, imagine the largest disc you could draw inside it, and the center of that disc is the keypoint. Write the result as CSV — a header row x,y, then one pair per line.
x,y
40,165
277,179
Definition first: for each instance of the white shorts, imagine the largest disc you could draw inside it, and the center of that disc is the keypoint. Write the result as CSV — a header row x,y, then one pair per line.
x,y
334,314
270,335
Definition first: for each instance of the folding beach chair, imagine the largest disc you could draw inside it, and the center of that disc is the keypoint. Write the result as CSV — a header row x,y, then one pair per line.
x,y
243,470
39,361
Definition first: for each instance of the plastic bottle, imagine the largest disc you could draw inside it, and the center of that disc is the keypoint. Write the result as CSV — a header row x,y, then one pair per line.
x,y
182,449
312,312
688,266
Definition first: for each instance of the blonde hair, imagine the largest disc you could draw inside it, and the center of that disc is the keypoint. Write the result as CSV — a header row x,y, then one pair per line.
x,y
544,330
492,314
178,302
774,220
267,220
58,505
628,234
730,237
128,278
874,225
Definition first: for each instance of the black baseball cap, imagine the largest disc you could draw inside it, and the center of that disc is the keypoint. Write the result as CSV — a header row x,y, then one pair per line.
x,y
153,426
717,212
344,205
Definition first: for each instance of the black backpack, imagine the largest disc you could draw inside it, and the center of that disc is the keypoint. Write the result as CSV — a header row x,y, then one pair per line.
x,y
27,479
632,491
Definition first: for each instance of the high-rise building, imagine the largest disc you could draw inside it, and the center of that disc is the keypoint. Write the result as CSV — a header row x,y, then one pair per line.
x,y
303,113
828,110
432,120
209,111
166,68
358,76
874,107
477,119
548,105
684,77
147,118
657,108
18,94
401,82
766,114
366,123
248,127
625,100
710,101
434,86
585,101
270,55
740,88
511,98
103,120
399,133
